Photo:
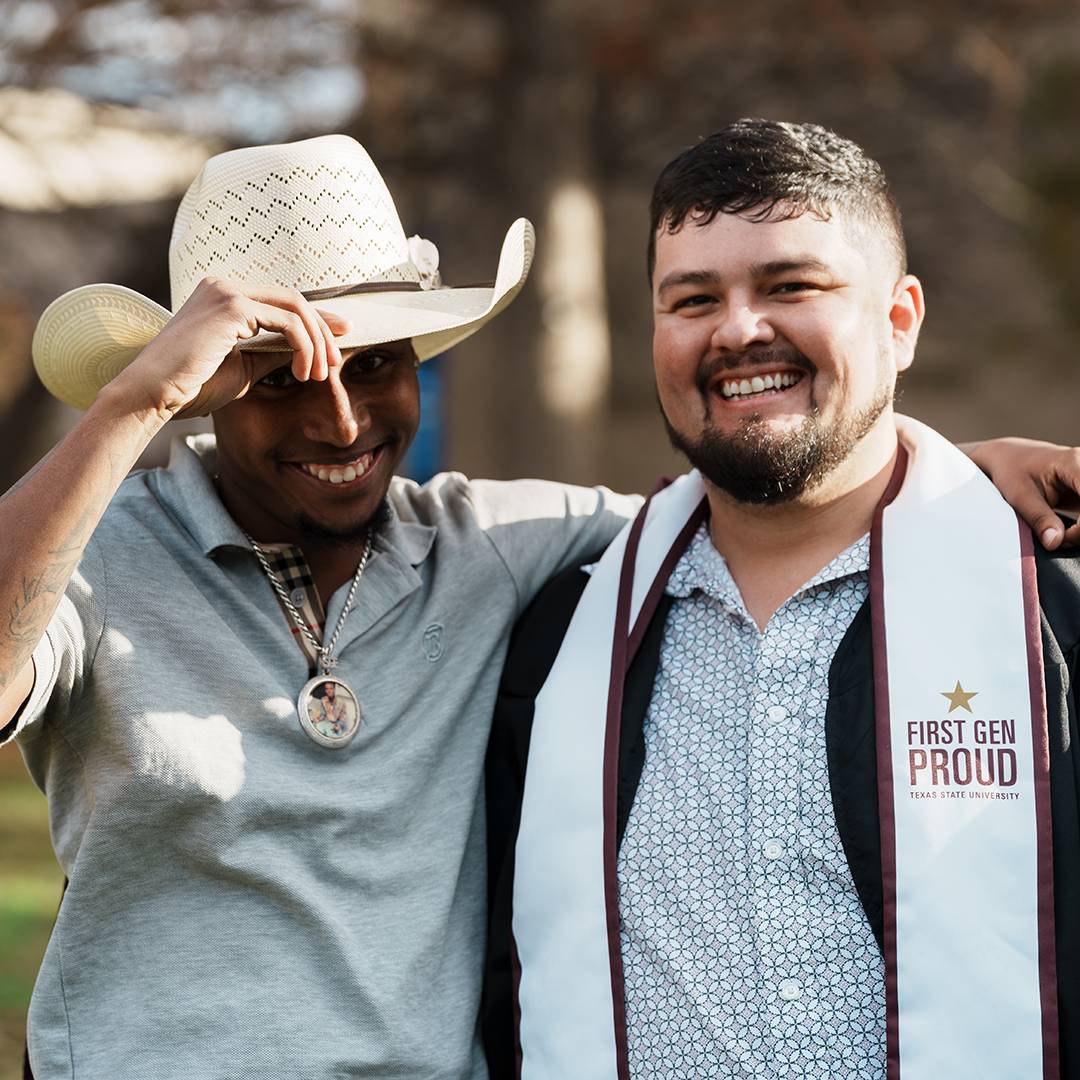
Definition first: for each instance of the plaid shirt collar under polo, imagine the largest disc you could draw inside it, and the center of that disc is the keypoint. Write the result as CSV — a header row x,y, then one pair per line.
x,y
288,562
397,549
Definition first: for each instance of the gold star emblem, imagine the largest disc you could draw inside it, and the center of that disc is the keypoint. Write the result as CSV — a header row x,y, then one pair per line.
x,y
959,697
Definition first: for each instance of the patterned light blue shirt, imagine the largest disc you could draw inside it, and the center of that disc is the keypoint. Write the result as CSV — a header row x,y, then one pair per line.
x,y
746,950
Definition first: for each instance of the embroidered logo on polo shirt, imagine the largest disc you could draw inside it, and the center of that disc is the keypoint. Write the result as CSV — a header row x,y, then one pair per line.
x,y
433,642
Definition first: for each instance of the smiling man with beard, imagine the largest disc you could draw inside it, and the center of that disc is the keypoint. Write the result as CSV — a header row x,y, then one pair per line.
x,y
717,844
753,464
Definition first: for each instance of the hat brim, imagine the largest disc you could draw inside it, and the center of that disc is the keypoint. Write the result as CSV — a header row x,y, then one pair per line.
x,y
86,337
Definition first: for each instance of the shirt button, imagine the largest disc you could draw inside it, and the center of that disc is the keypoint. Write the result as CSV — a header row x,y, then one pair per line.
x,y
773,849
790,989
776,714
297,595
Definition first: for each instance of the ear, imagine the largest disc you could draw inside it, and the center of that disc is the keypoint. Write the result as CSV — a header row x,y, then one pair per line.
x,y
906,317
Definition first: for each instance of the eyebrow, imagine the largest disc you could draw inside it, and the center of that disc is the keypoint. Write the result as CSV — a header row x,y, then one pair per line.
x,y
786,266
757,270
688,277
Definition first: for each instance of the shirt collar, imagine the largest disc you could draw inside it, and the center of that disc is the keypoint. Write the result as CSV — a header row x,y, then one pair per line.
x,y
703,569
186,487
850,561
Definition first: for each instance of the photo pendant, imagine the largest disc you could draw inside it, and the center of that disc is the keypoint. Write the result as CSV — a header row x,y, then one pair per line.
x,y
329,711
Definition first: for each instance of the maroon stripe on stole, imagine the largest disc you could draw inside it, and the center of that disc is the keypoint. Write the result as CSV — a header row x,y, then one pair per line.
x,y
656,590
617,678
624,647
886,810
1040,744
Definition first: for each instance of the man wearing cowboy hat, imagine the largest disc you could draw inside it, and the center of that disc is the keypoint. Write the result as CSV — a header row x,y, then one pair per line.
x,y
785,783
169,637
169,640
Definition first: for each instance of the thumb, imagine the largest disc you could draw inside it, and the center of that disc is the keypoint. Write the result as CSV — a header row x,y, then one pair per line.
x,y
1047,526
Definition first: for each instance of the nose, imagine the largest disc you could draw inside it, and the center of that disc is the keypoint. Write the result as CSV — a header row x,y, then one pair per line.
x,y
740,323
332,414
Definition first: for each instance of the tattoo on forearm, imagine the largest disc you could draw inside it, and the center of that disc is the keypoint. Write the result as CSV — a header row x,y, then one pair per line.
x,y
35,570
39,593
28,617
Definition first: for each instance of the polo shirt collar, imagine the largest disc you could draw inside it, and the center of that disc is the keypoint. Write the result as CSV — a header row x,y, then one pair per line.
x,y
187,488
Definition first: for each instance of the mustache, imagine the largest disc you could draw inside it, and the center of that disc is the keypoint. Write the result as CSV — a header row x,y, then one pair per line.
x,y
759,356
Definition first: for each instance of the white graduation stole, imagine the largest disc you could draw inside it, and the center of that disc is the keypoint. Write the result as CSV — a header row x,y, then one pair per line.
x,y
963,782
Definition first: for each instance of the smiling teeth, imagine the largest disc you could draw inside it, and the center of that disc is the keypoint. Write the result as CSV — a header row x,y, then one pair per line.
x,y
339,474
759,384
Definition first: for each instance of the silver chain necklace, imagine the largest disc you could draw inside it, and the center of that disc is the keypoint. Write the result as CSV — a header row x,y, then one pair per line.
x,y
328,707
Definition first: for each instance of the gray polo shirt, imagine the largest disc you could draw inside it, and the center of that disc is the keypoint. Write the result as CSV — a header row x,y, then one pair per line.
x,y
243,901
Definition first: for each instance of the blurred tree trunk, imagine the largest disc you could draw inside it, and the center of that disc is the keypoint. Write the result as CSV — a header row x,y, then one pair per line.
x,y
505,130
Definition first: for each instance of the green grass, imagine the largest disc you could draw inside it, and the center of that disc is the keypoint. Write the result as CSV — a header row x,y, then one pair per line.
x,y
30,884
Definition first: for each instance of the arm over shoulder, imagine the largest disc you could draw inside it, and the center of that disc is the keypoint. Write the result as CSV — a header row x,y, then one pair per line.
x,y
539,527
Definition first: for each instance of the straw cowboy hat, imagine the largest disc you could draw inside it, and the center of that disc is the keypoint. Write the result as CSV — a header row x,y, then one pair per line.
x,y
314,216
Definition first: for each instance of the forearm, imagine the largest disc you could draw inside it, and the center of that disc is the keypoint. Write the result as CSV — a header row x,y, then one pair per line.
x,y
48,517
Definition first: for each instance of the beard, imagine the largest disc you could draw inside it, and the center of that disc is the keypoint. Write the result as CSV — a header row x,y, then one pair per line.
x,y
352,535
759,466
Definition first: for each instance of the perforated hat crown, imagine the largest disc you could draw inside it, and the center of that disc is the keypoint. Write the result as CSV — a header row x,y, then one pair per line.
x,y
310,216
315,216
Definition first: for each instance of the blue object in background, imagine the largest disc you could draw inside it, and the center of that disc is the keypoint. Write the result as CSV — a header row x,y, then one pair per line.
x,y
425,456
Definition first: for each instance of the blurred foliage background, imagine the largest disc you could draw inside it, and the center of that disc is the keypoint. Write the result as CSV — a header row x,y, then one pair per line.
x,y
478,111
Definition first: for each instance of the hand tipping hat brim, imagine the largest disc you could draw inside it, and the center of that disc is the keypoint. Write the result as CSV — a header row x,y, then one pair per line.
x,y
86,337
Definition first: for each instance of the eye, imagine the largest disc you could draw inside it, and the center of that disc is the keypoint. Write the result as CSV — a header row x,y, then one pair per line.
x,y
279,378
698,300
793,288
367,363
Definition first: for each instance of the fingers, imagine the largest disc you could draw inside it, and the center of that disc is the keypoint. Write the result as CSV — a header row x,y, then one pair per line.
x,y
1065,473
338,324
318,368
310,338
1031,504
1029,501
332,326
296,333
1071,537
310,334
1063,494
1039,480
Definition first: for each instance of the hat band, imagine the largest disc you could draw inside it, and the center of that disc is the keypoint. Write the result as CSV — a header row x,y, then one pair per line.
x,y
383,286
363,287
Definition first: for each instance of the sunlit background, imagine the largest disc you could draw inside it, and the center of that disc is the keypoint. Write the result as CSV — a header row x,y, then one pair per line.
x,y
478,112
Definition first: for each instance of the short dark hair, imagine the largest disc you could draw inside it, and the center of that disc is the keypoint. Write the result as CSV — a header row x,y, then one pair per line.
x,y
768,169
